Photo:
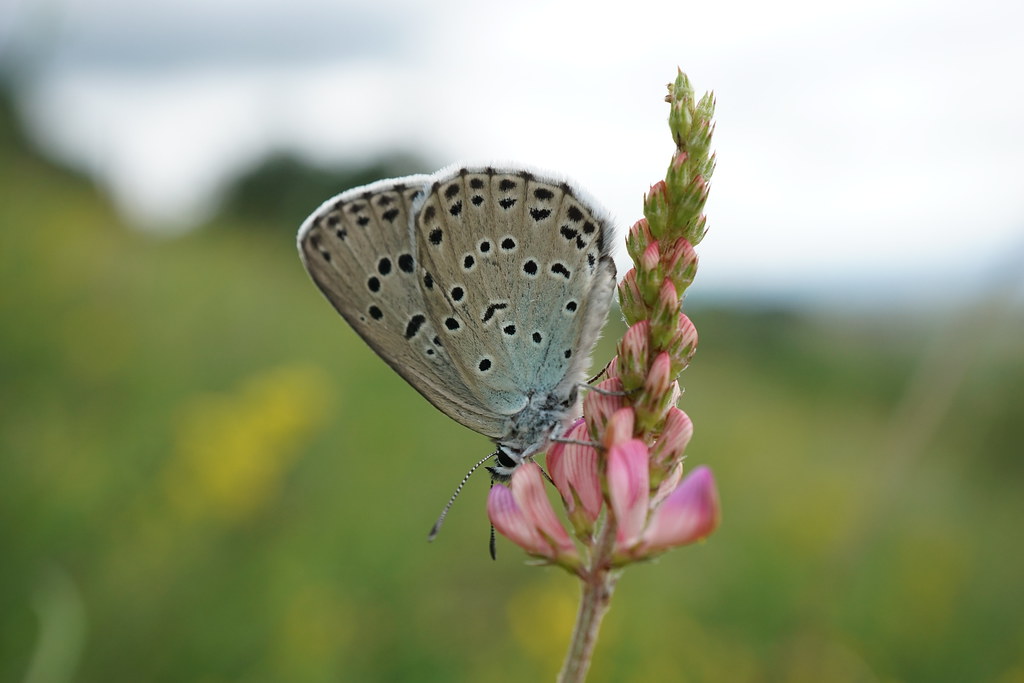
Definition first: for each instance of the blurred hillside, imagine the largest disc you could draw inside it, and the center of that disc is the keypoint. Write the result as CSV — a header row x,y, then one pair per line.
x,y
284,189
205,476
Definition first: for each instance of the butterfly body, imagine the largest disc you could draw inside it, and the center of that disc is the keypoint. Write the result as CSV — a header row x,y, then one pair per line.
x,y
484,288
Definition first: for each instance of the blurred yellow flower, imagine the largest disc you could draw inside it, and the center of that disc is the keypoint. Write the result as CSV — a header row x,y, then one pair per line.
x,y
233,449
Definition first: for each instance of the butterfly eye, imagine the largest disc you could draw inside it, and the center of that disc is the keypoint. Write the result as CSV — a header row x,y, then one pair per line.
x,y
504,459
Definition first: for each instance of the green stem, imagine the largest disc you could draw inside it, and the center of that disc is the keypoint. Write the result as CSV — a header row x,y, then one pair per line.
x,y
598,585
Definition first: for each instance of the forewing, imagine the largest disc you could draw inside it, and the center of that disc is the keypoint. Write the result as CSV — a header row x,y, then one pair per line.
x,y
356,249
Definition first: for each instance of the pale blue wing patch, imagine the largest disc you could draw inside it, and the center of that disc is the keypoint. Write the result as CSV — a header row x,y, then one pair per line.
x,y
522,256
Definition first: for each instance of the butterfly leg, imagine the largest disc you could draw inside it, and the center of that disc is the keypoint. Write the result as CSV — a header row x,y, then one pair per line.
x,y
604,392
493,545
604,371
574,442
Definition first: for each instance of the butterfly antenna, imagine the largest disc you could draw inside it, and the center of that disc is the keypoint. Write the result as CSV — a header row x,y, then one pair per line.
x,y
458,489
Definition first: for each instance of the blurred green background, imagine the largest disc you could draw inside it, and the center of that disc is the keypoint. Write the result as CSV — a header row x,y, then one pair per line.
x,y
206,476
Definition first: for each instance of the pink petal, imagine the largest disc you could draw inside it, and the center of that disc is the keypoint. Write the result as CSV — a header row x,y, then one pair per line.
x,y
685,338
668,296
634,347
573,468
510,521
598,407
674,438
620,427
668,485
681,260
651,256
659,377
658,191
689,513
628,489
529,494
555,461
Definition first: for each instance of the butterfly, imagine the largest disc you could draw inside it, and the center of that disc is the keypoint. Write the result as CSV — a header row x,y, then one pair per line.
x,y
485,288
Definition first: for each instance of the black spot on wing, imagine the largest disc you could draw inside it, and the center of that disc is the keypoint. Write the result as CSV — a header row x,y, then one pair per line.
x,y
414,325
491,310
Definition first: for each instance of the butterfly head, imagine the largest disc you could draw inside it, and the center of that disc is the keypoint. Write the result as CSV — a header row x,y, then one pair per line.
x,y
506,462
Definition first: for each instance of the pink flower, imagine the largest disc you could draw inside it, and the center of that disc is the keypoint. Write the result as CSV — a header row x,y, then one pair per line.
x,y
656,205
687,332
651,257
639,236
634,349
619,427
657,194
523,514
573,468
675,436
600,405
681,262
628,489
659,378
688,514
631,301
668,484
684,341
664,314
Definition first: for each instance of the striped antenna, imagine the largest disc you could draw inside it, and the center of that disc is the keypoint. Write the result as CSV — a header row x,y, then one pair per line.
x,y
444,513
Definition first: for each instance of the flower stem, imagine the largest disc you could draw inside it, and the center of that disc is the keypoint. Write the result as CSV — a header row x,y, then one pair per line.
x,y
598,585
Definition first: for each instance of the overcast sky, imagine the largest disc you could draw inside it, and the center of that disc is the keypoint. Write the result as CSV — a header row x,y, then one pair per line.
x,y
868,146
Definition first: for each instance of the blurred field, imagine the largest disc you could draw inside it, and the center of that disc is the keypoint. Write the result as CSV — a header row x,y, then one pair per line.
x,y
206,476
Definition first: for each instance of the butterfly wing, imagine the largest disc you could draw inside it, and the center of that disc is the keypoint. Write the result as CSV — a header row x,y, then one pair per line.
x,y
521,280
356,249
